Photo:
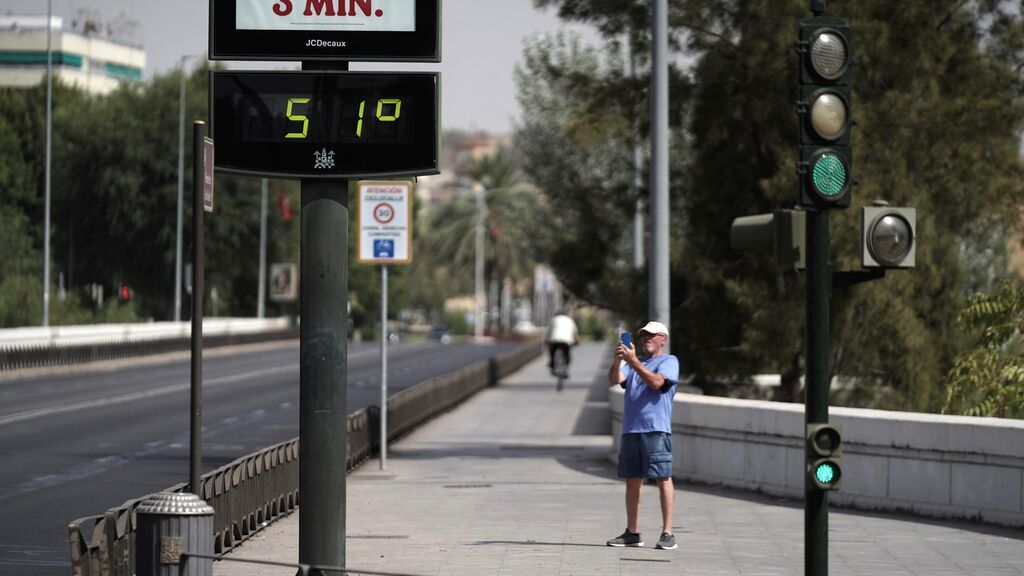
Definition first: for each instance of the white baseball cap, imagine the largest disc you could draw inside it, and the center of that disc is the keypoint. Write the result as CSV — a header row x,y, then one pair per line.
x,y
655,328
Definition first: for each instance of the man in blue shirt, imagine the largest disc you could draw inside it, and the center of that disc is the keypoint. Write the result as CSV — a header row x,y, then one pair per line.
x,y
645,450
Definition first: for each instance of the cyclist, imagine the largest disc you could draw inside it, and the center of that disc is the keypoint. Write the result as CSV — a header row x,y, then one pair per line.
x,y
562,334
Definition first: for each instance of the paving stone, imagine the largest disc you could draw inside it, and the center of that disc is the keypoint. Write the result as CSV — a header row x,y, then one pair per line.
x,y
506,485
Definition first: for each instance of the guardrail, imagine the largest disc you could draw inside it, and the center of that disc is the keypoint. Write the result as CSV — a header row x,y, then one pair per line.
x,y
953,467
254,490
22,348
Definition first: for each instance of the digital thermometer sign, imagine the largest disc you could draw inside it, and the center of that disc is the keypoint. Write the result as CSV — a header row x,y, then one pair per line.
x,y
326,124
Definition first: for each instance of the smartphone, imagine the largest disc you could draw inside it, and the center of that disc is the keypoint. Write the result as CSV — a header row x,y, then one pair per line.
x,y
626,338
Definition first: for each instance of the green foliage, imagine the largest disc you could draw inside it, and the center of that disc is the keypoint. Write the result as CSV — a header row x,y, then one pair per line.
x,y
937,96
988,379
516,228
114,205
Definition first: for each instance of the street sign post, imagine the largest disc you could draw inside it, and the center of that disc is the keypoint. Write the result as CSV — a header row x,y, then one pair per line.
x,y
324,126
385,237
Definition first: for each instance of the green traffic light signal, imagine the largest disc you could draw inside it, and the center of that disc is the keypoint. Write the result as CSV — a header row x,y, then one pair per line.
x,y
825,473
824,109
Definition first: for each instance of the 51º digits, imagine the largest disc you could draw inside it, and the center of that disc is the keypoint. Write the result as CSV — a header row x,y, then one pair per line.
x,y
293,116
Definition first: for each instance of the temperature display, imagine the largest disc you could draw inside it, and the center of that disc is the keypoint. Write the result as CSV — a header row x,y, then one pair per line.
x,y
333,124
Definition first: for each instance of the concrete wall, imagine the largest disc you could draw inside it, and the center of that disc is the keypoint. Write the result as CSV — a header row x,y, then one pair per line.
x,y
927,464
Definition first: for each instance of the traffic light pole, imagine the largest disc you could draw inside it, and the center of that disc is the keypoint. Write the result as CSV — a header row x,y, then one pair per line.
x,y
819,290
323,366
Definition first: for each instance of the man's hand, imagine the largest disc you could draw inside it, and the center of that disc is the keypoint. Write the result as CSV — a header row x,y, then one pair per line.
x,y
628,354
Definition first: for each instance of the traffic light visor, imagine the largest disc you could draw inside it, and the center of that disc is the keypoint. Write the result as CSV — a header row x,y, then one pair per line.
x,y
890,239
829,54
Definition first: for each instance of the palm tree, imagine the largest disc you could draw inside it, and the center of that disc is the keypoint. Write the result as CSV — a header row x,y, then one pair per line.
x,y
515,225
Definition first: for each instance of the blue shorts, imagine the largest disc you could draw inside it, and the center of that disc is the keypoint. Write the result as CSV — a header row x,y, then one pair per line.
x,y
645,455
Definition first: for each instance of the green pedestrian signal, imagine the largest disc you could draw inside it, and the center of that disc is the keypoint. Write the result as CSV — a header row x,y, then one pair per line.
x,y
825,152
824,448
824,473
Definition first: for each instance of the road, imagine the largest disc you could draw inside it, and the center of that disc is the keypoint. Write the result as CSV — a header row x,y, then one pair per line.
x,y
77,443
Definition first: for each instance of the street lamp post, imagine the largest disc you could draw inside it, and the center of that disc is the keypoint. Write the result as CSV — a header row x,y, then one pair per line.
x,y
478,295
49,130
181,186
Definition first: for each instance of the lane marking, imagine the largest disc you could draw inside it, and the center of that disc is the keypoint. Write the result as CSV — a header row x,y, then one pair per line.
x,y
140,395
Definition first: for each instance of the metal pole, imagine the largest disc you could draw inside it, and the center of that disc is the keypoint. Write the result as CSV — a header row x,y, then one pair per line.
x,y
196,433
659,300
181,191
261,293
819,289
638,214
383,367
49,147
478,315
322,375
323,365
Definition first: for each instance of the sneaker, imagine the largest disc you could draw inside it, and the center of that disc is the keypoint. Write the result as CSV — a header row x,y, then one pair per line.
x,y
666,542
627,539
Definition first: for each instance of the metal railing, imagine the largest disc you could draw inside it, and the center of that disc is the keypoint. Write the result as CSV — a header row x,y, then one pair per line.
x,y
257,489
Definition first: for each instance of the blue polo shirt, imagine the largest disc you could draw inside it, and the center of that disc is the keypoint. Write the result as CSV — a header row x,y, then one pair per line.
x,y
647,410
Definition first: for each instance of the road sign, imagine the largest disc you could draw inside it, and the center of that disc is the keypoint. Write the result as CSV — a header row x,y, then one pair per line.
x,y
385,222
208,162
365,30
283,282
326,124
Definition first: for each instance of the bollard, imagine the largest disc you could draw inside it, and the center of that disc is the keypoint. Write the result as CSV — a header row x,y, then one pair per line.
x,y
168,524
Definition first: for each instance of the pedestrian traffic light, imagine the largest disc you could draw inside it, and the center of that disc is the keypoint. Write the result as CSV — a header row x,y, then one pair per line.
x,y
781,233
825,164
888,237
824,471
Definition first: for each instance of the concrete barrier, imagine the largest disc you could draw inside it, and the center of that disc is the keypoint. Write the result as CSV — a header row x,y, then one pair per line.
x,y
927,464
14,338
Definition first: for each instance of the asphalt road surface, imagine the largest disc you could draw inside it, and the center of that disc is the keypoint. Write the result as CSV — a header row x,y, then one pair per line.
x,y
79,442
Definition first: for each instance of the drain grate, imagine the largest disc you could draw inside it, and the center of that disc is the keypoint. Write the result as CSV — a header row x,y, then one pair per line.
x,y
467,485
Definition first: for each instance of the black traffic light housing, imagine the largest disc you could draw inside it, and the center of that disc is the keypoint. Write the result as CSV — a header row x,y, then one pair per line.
x,y
781,233
824,449
888,237
825,165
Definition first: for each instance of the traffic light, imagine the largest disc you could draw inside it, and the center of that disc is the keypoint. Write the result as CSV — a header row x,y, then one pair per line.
x,y
888,237
824,471
125,293
825,165
781,233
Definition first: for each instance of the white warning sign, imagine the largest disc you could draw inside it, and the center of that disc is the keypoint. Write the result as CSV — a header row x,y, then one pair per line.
x,y
385,222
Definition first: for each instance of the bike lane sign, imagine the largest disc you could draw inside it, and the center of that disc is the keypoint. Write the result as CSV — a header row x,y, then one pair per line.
x,y
385,222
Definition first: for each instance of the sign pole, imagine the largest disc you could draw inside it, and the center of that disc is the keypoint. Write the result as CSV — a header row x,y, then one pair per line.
x,y
383,367
195,469
323,366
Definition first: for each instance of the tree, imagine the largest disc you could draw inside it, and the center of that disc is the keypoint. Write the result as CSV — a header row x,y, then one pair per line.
x,y
988,379
516,225
937,95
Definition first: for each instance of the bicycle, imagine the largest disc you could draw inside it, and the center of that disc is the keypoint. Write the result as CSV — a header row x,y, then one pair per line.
x,y
560,367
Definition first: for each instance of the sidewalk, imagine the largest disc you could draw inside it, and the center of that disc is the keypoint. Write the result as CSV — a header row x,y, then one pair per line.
x,y
516,481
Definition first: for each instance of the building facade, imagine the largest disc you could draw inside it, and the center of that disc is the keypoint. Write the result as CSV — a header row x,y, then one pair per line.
x,y
81,57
